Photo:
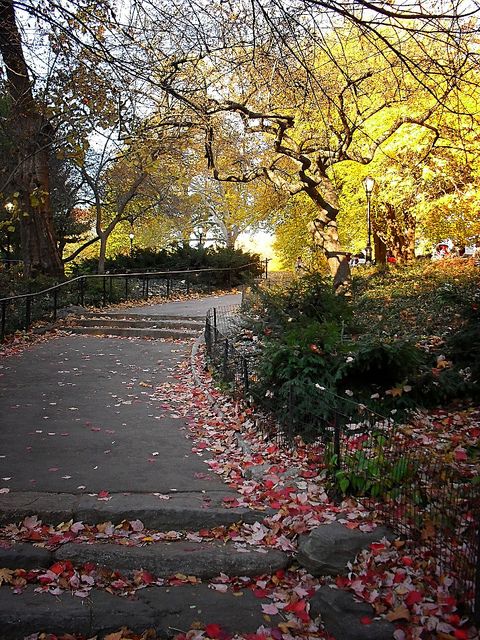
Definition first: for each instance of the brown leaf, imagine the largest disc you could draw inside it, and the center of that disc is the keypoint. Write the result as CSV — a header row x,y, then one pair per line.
x,y
428,531
400,613
5,575
117,635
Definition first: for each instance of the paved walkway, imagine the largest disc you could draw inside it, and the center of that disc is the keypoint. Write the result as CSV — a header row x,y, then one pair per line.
x,y
78,415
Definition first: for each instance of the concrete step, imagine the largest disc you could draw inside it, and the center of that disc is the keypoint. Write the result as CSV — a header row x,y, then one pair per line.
x,y
142,323
181,511
167,610
121,315
203,560
135,332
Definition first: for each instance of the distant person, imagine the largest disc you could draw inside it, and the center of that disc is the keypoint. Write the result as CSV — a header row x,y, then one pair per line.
x,y
299,265
391,258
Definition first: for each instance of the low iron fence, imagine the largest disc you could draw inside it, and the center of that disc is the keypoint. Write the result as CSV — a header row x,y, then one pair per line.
x,y
21,311
419,492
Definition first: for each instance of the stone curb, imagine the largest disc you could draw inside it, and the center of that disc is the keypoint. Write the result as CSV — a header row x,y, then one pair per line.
x,y
342,616
191,511
167,610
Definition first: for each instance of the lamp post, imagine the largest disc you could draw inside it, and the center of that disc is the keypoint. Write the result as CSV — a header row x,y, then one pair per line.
x,y
9,207
368,184
131,235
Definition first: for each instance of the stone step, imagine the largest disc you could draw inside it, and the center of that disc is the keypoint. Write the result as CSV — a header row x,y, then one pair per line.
x,y
205,559
167,610
182,511
135,332
121,315
142,323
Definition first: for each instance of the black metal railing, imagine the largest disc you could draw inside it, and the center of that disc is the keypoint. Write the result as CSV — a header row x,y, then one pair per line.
x,y
420,493
21,311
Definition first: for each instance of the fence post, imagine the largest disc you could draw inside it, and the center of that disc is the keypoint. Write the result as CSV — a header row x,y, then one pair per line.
x,y
55,303
126,287
147,280
187,281
168,286
110,289
336,443
82,291
104,292
4,320
245,376
215,324
225,359
28,312
476,604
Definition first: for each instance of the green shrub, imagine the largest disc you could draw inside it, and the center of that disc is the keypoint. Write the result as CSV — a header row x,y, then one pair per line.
x,y
180,258
383,363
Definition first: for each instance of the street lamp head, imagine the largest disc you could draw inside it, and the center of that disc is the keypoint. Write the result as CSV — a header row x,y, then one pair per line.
x,y
368,183
9,207
131,236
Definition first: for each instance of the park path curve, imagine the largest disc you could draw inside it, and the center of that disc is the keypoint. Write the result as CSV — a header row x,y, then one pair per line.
x,y
80,415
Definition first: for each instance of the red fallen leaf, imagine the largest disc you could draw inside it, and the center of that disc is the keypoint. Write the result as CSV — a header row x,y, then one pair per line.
x,y
460,454
461,634
366,620
57,568
376,547
309,474
296,607
408,562
103,494
342,582
413,598
213,631
449,601
260,593
34,535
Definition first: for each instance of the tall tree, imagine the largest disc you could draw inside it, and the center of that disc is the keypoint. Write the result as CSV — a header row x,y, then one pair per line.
x,y
30,129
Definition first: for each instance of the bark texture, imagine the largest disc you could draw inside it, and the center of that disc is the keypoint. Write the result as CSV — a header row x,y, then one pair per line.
x,y
30,175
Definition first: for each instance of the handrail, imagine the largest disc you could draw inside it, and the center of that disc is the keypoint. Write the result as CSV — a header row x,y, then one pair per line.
x,y
121,275
12,308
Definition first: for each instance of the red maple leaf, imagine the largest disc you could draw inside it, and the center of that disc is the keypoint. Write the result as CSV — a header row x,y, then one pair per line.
x,y
213,631
413,597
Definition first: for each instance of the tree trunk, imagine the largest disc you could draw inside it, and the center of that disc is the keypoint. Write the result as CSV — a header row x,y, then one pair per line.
x,y
380,249
102,253
30,134
325,235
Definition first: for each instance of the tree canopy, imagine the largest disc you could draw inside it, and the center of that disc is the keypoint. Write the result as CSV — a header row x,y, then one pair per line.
x,y
290,94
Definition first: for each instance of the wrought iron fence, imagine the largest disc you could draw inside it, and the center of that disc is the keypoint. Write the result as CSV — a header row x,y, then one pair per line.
x,y
21,311
418,493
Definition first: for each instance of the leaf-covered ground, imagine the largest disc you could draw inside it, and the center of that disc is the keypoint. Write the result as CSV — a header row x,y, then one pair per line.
x,y
399,579
411,302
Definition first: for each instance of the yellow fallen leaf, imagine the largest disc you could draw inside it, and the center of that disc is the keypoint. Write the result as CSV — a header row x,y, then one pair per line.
x,y
396,391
